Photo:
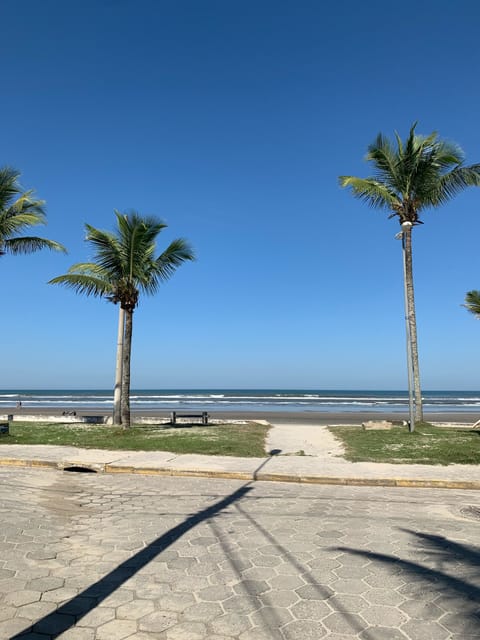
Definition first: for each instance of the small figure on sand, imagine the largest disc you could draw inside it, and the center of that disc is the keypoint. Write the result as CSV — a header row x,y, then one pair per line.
x,y
19,404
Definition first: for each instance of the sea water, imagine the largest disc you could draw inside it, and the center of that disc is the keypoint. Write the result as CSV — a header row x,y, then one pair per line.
x,y
256,400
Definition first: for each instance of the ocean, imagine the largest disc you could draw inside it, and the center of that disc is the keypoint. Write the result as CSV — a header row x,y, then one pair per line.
x,y
273,400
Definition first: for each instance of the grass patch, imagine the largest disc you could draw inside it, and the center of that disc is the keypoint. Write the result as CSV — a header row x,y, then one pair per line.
x,y
426,445
242,439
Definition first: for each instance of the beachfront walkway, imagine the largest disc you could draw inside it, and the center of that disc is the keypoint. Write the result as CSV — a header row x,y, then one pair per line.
x,y
312,440
107,557
302,453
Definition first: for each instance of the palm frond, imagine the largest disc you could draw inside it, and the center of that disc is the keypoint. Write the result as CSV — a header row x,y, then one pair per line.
x,y
85,284
164,266
385,159
472,302
371,191
31,244
8,185
456,181
107,249
12,224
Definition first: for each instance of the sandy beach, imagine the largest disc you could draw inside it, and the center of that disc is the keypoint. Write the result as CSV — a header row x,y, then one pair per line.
x,y
276,417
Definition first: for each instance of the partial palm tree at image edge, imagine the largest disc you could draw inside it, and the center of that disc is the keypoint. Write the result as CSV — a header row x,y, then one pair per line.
x,y
19,211
472,302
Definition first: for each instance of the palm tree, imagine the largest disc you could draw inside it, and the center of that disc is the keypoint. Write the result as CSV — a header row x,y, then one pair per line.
x,y
19,211
472,302
410,177
124,266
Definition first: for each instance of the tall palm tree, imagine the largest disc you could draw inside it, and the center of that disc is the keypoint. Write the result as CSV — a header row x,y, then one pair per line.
x,y
124,266
19,211
472,302
410,177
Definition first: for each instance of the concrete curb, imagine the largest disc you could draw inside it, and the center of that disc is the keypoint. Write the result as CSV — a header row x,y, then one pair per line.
x,y
417,483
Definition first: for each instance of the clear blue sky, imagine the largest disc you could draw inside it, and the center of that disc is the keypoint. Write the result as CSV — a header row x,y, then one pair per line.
x,y
231,120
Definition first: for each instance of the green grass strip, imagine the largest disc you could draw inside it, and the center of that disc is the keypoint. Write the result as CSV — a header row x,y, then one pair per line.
x,y
242,440
426,445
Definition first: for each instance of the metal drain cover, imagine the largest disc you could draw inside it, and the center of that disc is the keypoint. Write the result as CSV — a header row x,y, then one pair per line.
x,y
471,512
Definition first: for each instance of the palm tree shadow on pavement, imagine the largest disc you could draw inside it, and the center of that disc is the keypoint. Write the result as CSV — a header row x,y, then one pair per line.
x,y
451,568
322,592
69,613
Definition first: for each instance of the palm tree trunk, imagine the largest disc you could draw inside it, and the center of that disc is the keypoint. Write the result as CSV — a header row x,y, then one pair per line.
x,y
117,393
412,323
127,349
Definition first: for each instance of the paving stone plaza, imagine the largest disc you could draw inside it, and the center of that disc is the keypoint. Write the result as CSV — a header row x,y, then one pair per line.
x,y
96,556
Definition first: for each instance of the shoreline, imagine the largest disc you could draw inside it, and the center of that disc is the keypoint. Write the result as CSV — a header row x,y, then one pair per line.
x,y
278,417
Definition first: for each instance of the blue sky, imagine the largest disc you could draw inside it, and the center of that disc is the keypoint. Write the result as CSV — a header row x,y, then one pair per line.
x,y
231,120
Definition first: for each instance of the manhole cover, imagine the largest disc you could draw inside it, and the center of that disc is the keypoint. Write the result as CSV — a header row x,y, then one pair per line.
x,y
471,512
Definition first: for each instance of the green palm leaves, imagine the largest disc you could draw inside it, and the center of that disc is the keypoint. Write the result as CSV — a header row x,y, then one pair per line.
x,y
124,262
19,211
410,176
124,266
472,302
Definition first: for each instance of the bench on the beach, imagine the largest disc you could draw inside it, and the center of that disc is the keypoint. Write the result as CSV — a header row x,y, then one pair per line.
x,y
93,419
177,414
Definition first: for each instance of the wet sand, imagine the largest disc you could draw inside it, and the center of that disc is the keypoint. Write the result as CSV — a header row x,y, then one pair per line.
x,y
275,417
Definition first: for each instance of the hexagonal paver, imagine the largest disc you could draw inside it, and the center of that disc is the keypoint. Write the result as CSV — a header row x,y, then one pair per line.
x,y
135,609
347,603
59,595
242,604
304,629
382,633
35,610
19,598
315,592
259,573
383,596
257,633
116,630
421,630
216,593
282,598
349,586
286,582
175,601
461,623
76,633
203,612
422,610
310,610
45,584
251,587
157,621
346,623
271,617
230,624
98,616
382,615
187,631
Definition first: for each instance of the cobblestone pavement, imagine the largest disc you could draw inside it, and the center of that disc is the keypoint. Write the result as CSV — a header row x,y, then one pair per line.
x,y
90,556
